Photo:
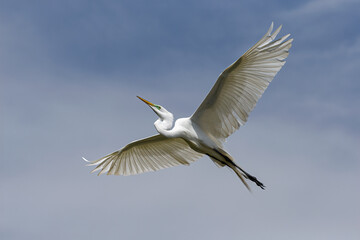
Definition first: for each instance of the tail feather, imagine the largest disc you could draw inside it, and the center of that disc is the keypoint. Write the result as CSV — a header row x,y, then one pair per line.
x,y
217,162
241,177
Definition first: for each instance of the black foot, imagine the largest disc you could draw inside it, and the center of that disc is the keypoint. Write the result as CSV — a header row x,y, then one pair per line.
x,y
254,179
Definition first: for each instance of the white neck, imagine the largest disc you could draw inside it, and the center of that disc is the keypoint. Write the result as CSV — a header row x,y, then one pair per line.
x,y
164,125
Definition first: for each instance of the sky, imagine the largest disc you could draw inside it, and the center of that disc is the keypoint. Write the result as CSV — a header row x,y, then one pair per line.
x,y
70,72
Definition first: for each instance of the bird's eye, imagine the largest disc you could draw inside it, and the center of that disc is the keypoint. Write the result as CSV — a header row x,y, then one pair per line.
x,y
158,107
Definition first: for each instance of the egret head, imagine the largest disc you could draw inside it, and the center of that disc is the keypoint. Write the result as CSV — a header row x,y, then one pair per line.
x,y
159,110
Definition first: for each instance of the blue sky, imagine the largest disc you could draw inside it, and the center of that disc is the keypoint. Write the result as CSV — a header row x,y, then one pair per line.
x,y
69,74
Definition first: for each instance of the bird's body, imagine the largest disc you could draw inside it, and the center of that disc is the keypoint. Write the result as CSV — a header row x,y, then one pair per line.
x,y
188,130
223,111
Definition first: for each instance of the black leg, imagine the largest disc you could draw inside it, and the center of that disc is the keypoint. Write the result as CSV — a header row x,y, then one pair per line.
x,y
230,161
254,179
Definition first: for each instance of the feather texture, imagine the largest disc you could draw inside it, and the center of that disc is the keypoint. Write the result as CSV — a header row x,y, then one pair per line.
x,y
240,86
148,154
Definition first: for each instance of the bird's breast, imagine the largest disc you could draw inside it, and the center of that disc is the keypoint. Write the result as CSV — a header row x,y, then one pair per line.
x,y
191,133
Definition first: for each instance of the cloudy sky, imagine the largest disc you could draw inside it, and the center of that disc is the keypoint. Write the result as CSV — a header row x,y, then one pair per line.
x,y
69,74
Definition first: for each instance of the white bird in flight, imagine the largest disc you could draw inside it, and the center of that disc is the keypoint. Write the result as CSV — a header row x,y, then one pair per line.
x,y
223,111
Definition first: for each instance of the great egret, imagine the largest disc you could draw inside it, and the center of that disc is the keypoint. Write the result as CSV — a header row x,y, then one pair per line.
x,y
223,111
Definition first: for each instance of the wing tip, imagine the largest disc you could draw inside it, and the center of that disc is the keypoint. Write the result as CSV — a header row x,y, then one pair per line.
x,y
270,29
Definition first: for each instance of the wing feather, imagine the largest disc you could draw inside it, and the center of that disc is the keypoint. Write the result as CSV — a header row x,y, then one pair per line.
x,y
148,154
240,86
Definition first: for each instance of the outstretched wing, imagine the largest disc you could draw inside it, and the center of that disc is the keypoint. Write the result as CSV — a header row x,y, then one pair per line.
x,y
240,86
148,154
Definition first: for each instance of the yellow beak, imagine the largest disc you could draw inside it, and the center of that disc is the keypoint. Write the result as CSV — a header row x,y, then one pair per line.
x,y
146,101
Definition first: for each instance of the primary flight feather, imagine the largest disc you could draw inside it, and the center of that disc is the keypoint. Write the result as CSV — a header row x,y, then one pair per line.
x,y
224,110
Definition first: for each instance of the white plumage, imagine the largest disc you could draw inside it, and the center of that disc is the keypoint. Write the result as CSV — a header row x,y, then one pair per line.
x,y
148,154
224,110
239,87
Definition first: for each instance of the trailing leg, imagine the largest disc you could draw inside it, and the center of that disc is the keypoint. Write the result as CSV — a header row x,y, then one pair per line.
x,y
251,178
231,163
